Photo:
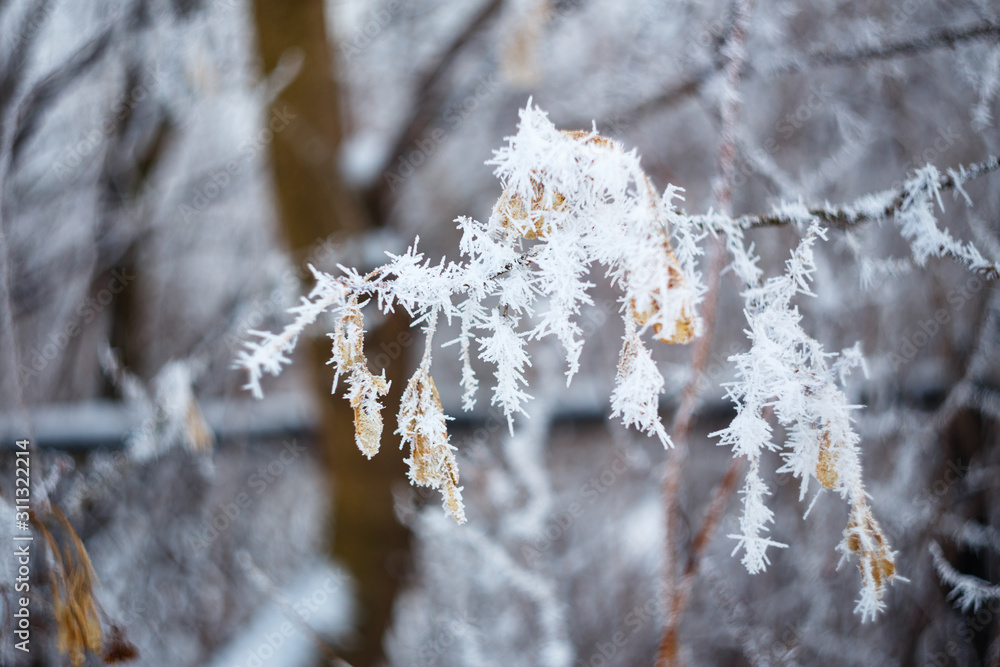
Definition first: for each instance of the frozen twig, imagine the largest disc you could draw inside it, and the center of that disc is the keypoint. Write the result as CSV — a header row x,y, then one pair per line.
x,y
570,200
969,592
911,206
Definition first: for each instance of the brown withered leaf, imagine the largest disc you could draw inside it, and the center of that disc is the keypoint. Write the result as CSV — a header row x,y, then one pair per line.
x,y
366,388
683,331
72,581
826,471
422,426
873,553
119,648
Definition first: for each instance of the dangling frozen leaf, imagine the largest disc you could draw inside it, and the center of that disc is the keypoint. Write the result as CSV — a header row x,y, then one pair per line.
x,y
423,429
364,388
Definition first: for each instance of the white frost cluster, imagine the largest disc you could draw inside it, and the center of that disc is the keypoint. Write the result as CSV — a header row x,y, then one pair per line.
x,y
271,352
570,200
968,592
787,371
918,224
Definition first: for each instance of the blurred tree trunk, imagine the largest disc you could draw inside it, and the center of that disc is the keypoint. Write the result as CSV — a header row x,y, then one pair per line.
x,y
314,203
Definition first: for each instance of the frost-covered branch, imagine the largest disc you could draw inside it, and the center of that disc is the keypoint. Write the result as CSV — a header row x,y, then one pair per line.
x,y
911,206
873,207
693,82
570,200
969,592
787,371
573,201
271,352
971,533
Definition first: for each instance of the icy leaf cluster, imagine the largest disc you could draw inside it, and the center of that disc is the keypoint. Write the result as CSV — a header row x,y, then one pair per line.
x,y
570,201
787,372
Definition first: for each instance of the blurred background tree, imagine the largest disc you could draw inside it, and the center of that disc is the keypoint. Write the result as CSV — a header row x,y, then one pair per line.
x,y
167,170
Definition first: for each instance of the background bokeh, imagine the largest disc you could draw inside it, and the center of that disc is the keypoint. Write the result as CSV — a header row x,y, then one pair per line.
x,y
168,170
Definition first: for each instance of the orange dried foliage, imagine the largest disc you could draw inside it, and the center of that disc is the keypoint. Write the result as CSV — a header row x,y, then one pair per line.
x,y
879,559
528,219
72,581
348,349
683,331
422,424
826,471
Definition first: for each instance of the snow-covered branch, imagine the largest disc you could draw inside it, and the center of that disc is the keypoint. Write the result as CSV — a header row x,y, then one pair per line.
x,y
969,592
570,200
787,371
271,352
911,207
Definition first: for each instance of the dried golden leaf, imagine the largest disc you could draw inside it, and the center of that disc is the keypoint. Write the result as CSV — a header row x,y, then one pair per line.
x,y
683,331
864,537
528,219
365,388
72,581
422,426
826,471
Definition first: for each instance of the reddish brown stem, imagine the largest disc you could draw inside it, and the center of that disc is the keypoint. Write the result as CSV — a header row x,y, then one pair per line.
x,y
677,585
669,644
675,599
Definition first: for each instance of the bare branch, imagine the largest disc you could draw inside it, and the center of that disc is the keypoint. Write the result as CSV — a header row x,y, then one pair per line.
x,y
669,98
946,37
692,83
430,99
677,585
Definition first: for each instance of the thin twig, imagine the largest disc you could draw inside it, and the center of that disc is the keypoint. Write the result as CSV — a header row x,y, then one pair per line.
x,y
692,83
845,217
848,216
677,586
670,97
945,37
680,431
20,108
430,99
686,579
